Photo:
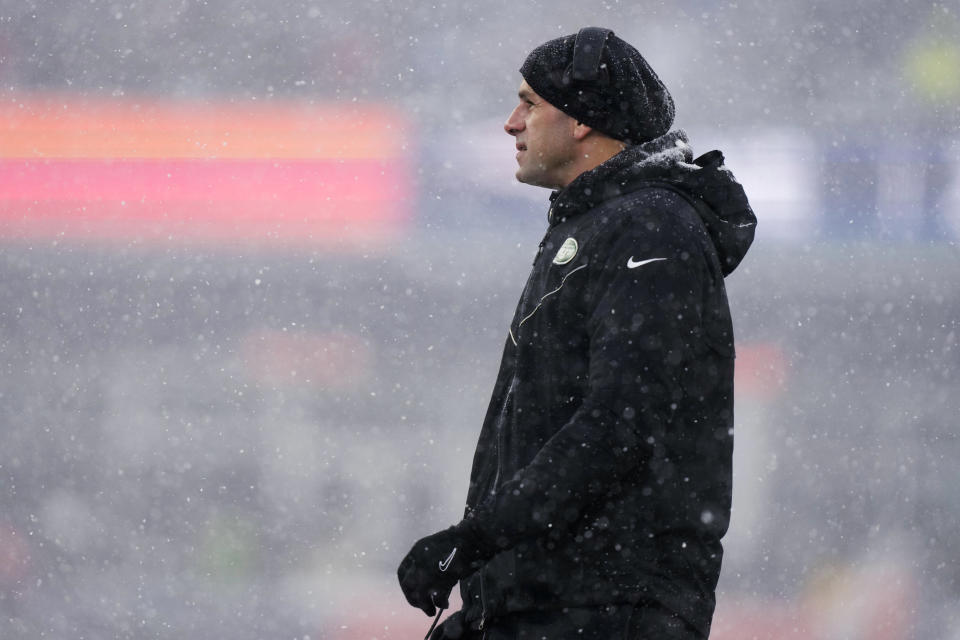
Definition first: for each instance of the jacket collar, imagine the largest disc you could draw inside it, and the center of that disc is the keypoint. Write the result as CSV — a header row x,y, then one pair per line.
x,y
667,160
623,173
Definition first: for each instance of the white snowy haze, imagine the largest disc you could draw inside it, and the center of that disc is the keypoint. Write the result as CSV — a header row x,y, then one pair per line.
x,y
257,261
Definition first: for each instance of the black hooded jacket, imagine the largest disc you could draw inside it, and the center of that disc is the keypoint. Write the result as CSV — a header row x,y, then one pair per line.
x,y
603,469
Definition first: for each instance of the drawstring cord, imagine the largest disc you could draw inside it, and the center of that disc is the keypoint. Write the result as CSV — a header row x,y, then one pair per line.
x,y
435,620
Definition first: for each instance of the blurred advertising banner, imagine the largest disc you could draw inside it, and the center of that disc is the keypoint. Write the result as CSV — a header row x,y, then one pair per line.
x,y
263,173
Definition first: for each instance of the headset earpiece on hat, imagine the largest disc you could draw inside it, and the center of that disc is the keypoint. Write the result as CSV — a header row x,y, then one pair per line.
x,y
587,50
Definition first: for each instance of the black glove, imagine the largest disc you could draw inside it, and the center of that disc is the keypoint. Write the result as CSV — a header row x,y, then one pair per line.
x,y
436,563
450,629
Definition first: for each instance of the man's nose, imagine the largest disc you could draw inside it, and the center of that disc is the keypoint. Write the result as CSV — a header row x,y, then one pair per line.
x,y
514,124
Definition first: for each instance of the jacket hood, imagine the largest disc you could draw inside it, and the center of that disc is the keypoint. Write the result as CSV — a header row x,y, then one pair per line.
x,y
668,162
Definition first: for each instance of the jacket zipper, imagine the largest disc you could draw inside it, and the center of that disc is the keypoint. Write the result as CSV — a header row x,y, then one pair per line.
x,y
483,604
496,479
540,247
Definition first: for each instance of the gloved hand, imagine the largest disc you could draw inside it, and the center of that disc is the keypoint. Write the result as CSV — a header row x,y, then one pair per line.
x,y
450,629
436,563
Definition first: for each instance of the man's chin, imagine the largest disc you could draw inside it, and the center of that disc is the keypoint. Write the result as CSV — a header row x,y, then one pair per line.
x,y
533,181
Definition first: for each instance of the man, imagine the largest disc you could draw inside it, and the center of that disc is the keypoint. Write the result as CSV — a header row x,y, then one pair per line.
x,y
601,481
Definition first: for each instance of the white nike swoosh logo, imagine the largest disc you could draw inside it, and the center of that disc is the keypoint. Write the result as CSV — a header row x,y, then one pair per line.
x,y
633,265
445,564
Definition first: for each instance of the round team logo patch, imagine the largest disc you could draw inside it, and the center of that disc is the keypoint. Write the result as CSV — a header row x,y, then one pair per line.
x,y
566,252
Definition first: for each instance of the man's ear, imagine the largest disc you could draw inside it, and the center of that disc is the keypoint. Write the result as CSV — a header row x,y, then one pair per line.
x,y
581,130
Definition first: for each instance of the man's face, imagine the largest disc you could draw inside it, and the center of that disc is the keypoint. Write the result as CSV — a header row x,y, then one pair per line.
x,y
545,144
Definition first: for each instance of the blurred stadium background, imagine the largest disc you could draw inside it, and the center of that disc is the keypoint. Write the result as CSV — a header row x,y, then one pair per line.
x,y
257,261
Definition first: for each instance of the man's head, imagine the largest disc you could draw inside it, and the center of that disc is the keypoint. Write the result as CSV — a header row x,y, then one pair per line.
x,y
581,92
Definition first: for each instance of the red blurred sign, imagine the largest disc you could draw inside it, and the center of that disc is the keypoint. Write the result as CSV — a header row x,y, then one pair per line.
x,y
761,370
334,360
14,556
120,170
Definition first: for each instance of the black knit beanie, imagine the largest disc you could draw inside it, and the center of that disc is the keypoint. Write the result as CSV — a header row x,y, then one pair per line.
x,y
616,92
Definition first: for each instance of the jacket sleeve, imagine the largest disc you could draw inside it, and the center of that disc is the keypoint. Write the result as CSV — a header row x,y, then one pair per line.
x,y
644,321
